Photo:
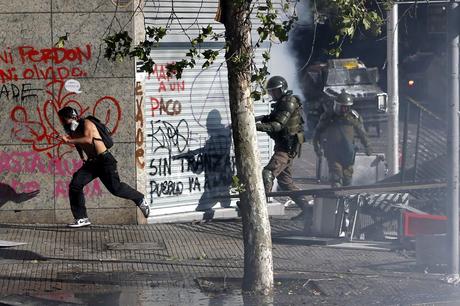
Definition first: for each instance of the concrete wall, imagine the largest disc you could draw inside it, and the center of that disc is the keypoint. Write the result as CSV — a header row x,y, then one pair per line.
x,y
33,89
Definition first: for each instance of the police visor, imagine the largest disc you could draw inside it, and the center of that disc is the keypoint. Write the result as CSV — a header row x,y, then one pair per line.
x,y
275,93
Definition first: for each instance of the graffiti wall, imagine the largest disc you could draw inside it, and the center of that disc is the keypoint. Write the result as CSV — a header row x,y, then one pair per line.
x,y
50,58
188,139
189,150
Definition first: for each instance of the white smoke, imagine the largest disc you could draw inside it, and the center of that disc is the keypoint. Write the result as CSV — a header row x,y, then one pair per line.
x,y
282,63
282,60
304,13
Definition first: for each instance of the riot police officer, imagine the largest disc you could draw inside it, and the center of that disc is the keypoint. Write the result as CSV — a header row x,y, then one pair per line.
x,y
335,134
285,126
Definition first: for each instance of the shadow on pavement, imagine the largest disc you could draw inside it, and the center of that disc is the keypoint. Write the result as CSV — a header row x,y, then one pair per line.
x,y
20,255
7,193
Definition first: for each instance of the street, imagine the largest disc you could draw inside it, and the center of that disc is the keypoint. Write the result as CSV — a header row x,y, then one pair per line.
x,y
202,264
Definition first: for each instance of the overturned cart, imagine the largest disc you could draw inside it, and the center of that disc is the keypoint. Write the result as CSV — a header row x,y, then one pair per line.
x,y
361,211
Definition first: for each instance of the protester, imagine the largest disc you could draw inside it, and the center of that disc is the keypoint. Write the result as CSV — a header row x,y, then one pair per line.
x,y
98,162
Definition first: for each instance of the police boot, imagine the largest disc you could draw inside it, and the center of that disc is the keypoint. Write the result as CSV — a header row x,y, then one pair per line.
x,y
299,217
308,220
347,181
305,211
336,184
335,180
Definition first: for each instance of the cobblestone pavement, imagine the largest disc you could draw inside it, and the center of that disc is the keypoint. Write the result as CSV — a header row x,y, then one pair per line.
x,y
198,264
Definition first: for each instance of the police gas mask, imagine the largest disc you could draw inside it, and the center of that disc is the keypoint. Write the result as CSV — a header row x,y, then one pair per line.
x,y
341,109
343,103
275,93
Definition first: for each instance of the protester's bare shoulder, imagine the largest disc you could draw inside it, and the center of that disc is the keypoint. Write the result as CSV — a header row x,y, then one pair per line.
x,y
90,127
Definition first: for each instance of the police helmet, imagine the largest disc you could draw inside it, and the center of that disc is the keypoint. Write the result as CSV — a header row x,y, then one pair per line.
x,y
343,103
277,87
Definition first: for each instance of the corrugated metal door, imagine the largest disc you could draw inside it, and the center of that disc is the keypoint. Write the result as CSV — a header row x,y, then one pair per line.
x,y
189,149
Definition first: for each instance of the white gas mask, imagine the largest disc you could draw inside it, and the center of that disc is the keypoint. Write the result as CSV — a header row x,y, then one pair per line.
x,y
74,125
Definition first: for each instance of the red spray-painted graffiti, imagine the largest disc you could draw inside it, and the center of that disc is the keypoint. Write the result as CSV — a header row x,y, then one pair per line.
x,y
33,122
29,54
41,133
43,64
166,84
139,92
32,163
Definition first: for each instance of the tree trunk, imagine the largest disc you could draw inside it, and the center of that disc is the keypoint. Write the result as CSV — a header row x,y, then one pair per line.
x,y
258,263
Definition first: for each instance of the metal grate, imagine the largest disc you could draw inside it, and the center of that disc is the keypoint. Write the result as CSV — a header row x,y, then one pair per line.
x,y
424,154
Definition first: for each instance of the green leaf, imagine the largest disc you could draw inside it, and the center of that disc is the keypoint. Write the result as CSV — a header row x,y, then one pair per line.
x,y
255,95
266,55
366,24
61,41
350,31
207,30
236,184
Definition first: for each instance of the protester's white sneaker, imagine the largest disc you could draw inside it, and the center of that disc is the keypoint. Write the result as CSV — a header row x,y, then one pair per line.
x,y
80,223
145,208
289,203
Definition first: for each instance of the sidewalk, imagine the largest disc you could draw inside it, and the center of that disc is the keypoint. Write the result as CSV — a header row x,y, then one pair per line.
x,y
199,264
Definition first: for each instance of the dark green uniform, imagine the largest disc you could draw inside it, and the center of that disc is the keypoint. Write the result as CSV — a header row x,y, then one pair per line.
x,y
285,126
335,134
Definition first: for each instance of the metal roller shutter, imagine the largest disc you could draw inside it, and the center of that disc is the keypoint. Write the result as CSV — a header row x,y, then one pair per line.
x,y
189,114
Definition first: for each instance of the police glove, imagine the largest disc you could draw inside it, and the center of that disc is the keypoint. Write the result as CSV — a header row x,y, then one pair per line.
x,y
261,127
261,118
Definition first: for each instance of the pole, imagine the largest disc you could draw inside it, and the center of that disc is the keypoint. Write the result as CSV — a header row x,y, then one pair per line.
x,y
453,137
393,90
417,142
404,146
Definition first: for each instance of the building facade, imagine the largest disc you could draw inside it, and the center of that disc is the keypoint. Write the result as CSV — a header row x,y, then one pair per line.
x,y
172,136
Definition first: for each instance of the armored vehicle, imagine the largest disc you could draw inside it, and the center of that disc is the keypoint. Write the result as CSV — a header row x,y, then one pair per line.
x,y
321,82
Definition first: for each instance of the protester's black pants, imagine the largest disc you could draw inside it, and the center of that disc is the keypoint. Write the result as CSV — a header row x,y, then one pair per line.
x,y
104,167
